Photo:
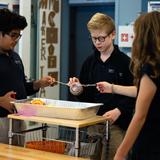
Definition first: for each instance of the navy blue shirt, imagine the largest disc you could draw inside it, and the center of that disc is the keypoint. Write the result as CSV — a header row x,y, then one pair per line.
x,y
13,78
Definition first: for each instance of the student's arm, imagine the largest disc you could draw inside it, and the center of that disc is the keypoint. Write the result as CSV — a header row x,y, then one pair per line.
x,y
43,82
34,86
105,87
130,91
143,102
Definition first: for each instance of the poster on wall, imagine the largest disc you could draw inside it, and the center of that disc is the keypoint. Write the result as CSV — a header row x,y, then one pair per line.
x,y
49,44
153,6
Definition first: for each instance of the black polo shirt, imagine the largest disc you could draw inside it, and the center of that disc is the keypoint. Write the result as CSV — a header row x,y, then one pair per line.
x,y
12,78
114,70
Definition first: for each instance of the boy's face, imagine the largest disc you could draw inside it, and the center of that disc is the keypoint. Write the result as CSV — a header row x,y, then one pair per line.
x,y
101,40
9,40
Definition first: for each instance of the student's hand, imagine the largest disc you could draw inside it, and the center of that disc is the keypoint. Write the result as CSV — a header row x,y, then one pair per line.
x,y
47,81
5,101
112,115
73,80
104,87
44,82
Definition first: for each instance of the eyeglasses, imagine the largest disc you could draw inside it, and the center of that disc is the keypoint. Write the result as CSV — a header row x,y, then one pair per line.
x,y
100,38
15,36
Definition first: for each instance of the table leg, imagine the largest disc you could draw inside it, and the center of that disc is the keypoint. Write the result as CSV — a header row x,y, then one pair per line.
x,y
10,134
77,143
44,131
107,130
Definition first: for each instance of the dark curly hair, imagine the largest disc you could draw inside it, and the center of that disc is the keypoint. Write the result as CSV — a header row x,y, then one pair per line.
x,y
10,20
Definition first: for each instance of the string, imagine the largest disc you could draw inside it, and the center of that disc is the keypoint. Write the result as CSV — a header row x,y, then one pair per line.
x,y
83,85
66,84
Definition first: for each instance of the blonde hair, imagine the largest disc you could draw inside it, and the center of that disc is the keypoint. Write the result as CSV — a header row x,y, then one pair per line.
x,y
101,21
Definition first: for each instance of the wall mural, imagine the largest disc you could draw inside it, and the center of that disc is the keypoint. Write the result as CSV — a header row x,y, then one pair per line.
x,y
49,44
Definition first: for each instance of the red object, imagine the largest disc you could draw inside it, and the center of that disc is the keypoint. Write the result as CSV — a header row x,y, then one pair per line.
x,y
50,146
13,95
124,37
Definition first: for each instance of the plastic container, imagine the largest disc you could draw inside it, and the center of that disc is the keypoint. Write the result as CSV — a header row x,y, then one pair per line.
x,y
49,146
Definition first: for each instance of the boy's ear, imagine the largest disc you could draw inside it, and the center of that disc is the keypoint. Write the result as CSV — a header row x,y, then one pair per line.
x,y
113,34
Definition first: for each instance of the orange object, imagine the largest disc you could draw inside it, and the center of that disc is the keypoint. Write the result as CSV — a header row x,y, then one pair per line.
x,y
50,146
37,101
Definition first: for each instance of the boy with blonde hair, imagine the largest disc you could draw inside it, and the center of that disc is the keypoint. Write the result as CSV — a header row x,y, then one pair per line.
x,y
106,63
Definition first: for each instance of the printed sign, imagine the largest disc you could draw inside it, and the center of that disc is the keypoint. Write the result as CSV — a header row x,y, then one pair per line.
x,y
125,37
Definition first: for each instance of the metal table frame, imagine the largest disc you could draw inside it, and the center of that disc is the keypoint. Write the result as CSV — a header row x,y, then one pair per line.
x,y
77,124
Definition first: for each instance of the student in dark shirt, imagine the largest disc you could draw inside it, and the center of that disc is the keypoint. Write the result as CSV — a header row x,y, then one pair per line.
x,y
13,81
144,130
107,63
